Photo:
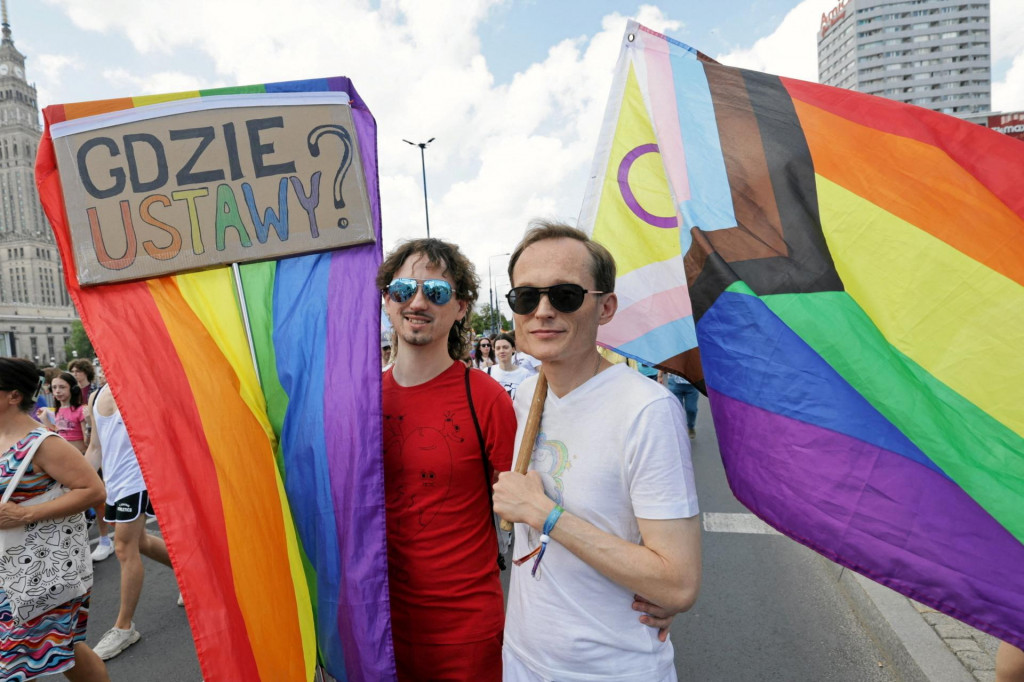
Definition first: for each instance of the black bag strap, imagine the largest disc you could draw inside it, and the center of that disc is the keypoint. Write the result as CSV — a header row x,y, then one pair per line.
x,y
41,434
479,436
488,469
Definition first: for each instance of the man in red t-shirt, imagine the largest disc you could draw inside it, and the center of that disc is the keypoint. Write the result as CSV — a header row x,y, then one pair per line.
x,y
447,431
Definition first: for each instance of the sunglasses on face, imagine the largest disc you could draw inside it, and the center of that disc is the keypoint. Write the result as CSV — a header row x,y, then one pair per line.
x,y
565,298
437,291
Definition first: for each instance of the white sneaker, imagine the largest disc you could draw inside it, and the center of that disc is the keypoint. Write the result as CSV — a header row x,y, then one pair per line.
x,y
104,548
115,641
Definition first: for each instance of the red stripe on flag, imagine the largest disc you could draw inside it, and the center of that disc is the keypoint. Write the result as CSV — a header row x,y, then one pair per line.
x,y
178,471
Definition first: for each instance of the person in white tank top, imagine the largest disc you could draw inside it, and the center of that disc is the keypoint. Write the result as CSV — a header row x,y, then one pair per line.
x,y
121,471
127,507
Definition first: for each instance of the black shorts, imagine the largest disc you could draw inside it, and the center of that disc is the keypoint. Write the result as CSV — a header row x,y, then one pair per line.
x,y
128,508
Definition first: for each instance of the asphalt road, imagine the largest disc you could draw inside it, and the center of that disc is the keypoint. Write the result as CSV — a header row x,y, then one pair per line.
x,y
769,608
165,653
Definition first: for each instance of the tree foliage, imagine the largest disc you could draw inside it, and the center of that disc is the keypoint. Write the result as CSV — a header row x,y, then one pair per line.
x,y
483,323
79,342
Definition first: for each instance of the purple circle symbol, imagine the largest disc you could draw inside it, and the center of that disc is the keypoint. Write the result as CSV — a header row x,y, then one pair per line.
x,y
627,193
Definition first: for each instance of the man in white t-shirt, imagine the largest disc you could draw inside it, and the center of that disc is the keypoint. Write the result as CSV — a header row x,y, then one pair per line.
x,y
610,484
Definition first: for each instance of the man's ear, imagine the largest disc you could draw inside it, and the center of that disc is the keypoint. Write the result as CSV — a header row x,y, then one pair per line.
x,y
609,304
463,307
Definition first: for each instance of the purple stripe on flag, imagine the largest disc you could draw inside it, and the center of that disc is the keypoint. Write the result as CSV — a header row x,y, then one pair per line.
x,y
353,436
352,398
884,515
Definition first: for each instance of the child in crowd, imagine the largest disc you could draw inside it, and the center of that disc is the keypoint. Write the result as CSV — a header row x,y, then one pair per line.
x,y
69,414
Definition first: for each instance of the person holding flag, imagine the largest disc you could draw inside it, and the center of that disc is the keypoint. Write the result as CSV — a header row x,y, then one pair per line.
x,y
609,506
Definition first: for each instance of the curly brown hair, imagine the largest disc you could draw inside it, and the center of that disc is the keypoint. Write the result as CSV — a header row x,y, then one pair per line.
x,y
452,262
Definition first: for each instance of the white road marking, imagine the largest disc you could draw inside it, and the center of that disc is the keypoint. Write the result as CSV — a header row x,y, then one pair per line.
x,y
736,523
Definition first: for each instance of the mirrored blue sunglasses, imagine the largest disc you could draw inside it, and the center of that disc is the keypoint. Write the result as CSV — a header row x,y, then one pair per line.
x,y
437,291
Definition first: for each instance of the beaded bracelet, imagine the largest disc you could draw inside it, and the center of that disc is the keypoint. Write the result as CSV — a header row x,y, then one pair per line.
x,y
545,535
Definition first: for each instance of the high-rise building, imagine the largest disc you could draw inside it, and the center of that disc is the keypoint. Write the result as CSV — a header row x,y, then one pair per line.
x,y
35,310
932,53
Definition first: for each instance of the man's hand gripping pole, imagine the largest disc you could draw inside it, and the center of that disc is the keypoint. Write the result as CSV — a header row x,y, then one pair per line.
x,y
530,432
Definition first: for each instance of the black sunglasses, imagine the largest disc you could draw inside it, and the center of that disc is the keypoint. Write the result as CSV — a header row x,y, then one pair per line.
x,y
565,298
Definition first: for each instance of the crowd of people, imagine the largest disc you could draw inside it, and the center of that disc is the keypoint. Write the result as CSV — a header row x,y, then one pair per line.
x,y
79,407
607,543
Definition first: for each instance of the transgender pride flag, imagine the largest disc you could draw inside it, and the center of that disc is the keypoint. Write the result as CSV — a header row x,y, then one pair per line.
x,y
854,272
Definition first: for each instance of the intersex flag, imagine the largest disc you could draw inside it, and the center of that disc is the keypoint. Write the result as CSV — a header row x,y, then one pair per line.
x,y
251,393
855,268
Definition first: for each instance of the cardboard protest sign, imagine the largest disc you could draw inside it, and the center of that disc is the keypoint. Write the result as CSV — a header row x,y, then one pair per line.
x,y
189,184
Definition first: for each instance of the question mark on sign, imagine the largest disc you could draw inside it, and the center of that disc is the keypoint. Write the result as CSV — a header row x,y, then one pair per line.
x,y
313,141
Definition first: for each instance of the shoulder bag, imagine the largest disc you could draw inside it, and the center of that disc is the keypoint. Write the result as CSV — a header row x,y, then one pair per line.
x,y
46,563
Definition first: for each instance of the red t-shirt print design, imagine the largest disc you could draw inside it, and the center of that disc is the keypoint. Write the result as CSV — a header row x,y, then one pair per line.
x,y
443,575
422,475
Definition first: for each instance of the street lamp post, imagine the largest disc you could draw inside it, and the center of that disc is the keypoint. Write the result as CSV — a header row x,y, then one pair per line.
x,y
423,164
494,296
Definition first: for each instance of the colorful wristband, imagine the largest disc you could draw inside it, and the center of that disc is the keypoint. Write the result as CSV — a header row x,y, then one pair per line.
x,y
545,535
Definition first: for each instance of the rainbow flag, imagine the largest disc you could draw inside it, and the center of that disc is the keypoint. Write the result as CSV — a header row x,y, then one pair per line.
x,y
856,273
268,480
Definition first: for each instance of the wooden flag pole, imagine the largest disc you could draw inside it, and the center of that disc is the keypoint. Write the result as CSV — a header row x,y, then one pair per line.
x,y
540,393
243,307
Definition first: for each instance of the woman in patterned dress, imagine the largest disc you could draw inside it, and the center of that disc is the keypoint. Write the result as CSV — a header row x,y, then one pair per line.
x,y
53,642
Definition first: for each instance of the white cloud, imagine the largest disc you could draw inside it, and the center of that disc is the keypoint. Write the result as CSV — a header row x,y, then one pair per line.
x,y
1008,94
50,69
156,83
53,66
1007,22
791,50
1008,47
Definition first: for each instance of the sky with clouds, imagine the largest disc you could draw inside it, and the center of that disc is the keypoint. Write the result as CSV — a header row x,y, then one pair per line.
x,y
513,90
